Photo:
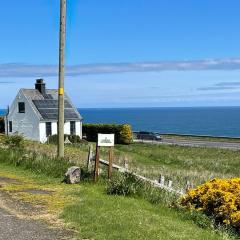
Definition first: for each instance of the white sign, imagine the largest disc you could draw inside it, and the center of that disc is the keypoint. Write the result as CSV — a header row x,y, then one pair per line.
x,y
105,140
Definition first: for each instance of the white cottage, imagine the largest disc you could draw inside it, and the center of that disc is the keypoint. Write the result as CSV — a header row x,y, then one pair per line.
x,y
34,114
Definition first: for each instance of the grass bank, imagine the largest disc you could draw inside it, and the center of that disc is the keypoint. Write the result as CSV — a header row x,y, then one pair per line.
x,y
33,179
94,214
178,163
181,163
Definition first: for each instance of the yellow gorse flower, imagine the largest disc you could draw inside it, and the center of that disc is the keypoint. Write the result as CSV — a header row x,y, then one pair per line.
x,y
219,198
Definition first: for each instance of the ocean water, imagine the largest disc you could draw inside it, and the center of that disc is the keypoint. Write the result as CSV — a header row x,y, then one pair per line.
x,y
214,121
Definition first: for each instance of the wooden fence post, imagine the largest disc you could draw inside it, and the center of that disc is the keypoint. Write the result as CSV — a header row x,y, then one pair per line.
x,y
90,156
162,180
110,162
96,168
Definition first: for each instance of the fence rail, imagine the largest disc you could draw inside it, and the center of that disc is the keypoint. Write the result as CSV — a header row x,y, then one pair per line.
x,y
160,183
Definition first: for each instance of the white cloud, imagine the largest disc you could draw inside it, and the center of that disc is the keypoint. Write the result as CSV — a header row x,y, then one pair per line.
x,y
29,70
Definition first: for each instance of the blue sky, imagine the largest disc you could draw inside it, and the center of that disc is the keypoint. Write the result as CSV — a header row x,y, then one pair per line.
x,y
138,53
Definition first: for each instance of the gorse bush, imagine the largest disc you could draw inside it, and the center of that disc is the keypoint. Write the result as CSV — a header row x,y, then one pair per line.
x,y
123,133
218,198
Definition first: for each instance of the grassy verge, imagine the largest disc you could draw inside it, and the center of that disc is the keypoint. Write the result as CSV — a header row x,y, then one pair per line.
x,y
96,215
99,216
178,163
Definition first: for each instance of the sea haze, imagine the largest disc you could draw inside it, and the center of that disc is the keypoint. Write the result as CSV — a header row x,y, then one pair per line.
x,y
214,121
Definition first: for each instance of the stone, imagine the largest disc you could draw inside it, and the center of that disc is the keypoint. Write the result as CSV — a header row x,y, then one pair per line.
x,y
67,141
73,175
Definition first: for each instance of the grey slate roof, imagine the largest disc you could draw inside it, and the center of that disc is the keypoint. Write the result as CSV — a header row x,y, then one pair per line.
x,y
46,106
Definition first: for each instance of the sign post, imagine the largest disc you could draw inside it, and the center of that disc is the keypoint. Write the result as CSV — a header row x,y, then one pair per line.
x,y
96,168
104,140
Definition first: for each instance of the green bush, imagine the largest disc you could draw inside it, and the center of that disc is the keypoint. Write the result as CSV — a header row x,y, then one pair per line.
x,y
123,133
2,125
14,141
124,184
127,184
72,138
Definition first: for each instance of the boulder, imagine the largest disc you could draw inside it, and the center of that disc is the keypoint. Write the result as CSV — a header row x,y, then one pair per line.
x,y
73,175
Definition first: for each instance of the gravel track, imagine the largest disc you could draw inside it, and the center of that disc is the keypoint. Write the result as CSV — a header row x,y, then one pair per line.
x,y
14,228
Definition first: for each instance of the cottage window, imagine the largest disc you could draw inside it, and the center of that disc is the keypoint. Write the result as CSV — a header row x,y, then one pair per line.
x,y
48,129
21,107
10,126
73,128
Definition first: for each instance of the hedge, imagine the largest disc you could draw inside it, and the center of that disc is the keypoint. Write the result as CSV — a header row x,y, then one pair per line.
x,y
123,133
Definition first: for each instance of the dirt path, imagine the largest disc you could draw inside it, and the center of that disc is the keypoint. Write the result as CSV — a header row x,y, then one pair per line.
x,y
20,220
12,228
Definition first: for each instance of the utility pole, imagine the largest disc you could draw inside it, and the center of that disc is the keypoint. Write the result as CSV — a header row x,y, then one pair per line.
x,y
62,41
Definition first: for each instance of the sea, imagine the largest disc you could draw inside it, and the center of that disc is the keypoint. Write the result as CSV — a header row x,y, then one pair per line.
x,y
207,121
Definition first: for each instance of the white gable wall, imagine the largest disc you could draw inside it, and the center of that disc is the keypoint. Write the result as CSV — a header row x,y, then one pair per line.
x,y
26,124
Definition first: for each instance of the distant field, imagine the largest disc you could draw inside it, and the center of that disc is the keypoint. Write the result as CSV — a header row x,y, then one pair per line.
x,y
181,163
201,138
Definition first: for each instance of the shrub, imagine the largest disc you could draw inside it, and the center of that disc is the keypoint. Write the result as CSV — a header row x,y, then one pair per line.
x,y
127,184
14,141
124,184
126,134
2,125
123,133
219,198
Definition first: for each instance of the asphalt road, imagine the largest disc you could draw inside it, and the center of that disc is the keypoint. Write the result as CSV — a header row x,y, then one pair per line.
x,y
195,143
13,228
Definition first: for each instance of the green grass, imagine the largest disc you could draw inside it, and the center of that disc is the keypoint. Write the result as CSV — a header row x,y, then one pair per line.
x,y
96,215
40,164
99,216
93,213
181,163
178,163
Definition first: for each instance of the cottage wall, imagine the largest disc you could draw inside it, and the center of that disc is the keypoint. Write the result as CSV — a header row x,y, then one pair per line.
x,y
42,129
79,129
26,124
